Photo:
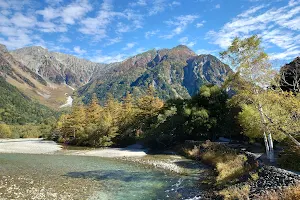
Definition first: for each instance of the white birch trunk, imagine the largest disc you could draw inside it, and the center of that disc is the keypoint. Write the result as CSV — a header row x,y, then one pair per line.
x,y
268,141
271,148
267,145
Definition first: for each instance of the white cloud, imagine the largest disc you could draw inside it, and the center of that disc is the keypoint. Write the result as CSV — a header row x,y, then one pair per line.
x,y
138,3
16,38
4,20
251,11
185,41
78,50
49,13
288,54
97,26
175,3
23,21
123,28
64,39
69,14
135,19
276,26
149,34
112,41
5,12
49,27
14,4
75,11
200,24
157,7
206,51
129,46
218,6
180,24
191,44
54,2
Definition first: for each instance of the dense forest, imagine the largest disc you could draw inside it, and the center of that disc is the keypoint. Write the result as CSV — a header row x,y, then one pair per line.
x,y
20,116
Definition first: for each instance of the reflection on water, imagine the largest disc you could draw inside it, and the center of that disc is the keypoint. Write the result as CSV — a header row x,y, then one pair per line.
x,y
24,176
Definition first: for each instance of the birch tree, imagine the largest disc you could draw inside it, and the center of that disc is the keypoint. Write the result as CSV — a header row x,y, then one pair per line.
x,y
254,72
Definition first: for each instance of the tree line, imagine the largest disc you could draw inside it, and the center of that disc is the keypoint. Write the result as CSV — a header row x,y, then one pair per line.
x,y
250,102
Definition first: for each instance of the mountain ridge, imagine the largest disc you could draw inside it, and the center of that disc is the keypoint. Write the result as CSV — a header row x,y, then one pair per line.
x,y
58,67
29,82
177,72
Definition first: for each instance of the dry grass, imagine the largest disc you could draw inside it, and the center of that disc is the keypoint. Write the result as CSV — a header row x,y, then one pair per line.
x,y
192,153
231,169
289,193
229,164
235,192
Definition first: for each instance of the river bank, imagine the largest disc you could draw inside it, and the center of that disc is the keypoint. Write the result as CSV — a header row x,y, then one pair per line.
x,y
40,146
133,154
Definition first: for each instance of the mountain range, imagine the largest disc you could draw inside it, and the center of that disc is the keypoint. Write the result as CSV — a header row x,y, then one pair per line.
x,y
49,77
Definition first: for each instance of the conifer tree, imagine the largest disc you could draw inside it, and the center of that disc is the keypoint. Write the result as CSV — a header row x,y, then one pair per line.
x,y
93,111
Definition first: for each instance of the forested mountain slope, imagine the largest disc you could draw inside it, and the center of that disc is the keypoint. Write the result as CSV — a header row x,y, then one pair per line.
x,y
16,108
174,73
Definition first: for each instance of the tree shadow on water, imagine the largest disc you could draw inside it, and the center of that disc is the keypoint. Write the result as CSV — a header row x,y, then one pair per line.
x,y
120,175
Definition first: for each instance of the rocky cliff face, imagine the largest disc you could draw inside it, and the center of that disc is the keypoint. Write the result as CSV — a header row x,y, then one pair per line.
x,y
58,68
11,68
204,69
30,83
175,73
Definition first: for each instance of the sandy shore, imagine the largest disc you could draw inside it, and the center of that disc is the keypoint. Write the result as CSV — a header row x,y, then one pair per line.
x,y
31,146
40,146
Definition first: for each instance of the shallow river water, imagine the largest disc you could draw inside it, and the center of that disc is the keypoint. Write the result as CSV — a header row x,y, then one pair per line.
x,y
29,176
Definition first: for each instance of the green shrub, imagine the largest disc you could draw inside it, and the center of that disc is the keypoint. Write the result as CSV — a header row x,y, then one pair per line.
x,y
290,158
5,131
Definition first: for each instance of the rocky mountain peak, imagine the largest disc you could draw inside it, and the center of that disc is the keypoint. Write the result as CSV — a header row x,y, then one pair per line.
x,y
3,48
57,67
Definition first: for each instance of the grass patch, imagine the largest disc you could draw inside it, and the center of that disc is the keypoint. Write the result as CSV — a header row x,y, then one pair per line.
x,y
230,165
288,193
236,192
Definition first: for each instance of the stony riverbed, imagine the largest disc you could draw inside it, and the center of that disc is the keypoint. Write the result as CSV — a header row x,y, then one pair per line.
x,y
36,169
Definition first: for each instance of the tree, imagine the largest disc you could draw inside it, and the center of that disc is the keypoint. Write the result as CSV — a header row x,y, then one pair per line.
x,y
5,131
149,104
253,75
78,119
290,76
93,111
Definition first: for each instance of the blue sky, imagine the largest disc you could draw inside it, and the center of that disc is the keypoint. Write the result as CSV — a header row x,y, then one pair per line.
x,y
112,30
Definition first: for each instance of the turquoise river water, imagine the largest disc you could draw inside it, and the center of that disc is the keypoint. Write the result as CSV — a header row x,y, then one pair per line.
x,y
27,176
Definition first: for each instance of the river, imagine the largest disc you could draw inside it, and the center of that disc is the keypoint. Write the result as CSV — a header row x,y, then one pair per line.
x,y
60,176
